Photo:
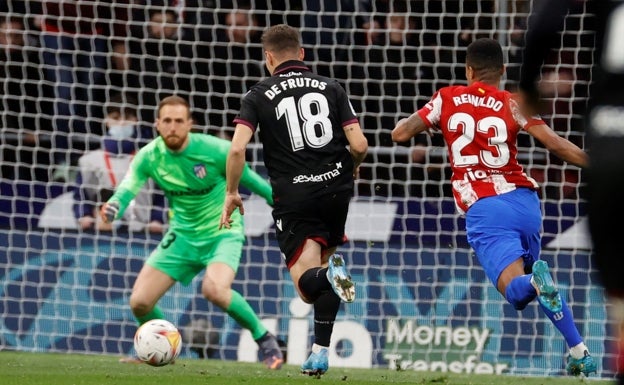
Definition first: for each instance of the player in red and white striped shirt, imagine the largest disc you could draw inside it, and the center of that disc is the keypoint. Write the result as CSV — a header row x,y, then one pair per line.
x,y
480,124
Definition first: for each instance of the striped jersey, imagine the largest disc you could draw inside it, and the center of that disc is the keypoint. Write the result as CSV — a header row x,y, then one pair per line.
x,y
480,125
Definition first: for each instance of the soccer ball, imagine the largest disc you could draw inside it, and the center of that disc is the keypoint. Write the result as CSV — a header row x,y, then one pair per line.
x,y
157,342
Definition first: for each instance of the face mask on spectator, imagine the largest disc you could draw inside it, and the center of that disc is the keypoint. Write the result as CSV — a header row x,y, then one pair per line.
x,y
121,131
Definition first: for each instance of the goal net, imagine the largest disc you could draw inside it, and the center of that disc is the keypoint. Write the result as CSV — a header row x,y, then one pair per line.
x,y
423,302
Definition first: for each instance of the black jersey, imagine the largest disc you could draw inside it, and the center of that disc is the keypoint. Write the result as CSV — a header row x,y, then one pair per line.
x,y
300,117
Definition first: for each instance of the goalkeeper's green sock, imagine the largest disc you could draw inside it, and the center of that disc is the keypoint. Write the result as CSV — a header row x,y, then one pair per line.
x,y
155,313
246,317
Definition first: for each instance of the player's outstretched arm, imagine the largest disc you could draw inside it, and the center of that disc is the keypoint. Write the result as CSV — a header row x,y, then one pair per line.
x,y
128,188
233,172
560,147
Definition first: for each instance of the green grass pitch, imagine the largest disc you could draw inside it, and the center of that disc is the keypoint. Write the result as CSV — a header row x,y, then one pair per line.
x,y
22,368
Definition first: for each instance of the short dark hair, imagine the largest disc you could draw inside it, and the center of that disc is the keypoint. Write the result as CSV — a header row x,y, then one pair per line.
x,y
485,54
280,38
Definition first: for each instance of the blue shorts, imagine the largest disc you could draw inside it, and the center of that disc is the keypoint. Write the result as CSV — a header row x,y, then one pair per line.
x,y
503,228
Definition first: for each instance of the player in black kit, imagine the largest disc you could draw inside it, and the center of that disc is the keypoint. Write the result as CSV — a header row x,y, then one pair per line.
x,y
605,134
313,146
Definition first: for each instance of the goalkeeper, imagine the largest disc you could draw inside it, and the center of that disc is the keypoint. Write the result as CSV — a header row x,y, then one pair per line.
x,y
190,169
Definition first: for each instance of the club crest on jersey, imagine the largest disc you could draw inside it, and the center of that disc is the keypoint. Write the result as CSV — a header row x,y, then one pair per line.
x,y
200,171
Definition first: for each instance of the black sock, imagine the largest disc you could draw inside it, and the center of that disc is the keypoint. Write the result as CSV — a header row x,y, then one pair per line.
x,y
326,307
313,283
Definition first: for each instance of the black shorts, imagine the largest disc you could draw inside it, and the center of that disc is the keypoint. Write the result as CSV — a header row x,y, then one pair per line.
x,y
321,219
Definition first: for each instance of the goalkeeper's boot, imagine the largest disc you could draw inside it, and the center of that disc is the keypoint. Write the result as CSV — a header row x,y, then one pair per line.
x,y
585,365
317,364
271,352
341,281
547,293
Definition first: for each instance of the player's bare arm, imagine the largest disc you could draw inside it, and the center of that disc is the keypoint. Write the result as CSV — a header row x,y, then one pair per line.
x,y
407,128
358,144
234,171
560,147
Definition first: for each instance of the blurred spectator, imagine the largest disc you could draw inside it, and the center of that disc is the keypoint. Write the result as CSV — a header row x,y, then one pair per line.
x,y
102,169
393,78
77,38
196,17
476,19
23,96
283,11
195,28
393,57
160,60
242,27
236,66
514,54
370,20
328,34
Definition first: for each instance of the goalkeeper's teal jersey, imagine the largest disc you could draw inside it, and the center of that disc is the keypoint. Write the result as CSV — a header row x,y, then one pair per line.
x,y
193,181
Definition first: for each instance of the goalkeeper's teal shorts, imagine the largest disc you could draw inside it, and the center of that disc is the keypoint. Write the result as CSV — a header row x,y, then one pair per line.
x,y
182,257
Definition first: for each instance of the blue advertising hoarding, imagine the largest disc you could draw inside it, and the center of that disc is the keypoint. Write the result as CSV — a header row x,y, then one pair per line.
x,y
420,309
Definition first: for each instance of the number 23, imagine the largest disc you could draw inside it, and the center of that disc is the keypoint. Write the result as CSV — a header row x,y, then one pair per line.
x,y
471,128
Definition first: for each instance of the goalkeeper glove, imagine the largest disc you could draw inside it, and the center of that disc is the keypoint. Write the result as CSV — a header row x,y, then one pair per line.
x,y
109,211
